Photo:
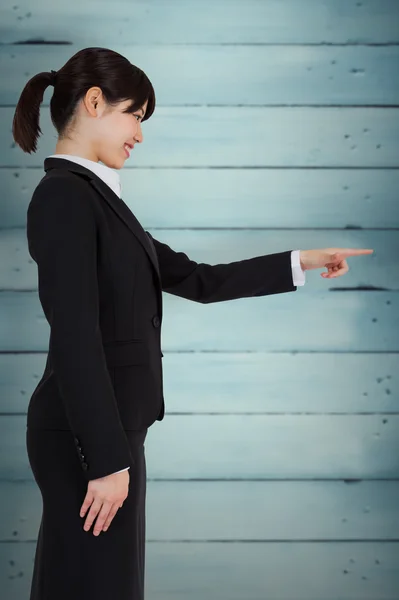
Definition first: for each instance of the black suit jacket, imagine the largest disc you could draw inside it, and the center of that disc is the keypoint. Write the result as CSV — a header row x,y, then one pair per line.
x,y
100,282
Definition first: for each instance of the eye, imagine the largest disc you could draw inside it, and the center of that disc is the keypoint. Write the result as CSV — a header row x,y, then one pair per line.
x,y
137,116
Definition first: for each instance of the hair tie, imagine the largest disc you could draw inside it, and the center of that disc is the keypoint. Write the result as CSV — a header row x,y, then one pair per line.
x,y
53,76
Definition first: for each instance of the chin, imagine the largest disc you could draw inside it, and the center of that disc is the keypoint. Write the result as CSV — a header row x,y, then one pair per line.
x,y
114,163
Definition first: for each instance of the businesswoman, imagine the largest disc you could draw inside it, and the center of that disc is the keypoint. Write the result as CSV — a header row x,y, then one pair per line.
x,y
100,283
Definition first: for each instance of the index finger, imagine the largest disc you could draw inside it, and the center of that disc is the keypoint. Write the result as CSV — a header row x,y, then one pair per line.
x,y
354,251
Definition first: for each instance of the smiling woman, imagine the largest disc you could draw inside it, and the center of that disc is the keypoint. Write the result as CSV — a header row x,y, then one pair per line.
x,y
96,94
102,384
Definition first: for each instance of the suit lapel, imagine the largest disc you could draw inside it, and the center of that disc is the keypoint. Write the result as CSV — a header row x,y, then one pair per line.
x,y
124,213
117,205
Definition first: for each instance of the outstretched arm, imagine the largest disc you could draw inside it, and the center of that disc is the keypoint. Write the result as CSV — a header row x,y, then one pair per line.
x,y
201,282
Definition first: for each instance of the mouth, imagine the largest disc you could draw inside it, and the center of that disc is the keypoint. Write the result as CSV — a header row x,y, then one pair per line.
x,y
127,148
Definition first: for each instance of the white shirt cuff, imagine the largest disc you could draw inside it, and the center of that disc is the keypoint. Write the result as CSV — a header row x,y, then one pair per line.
x,y
298,275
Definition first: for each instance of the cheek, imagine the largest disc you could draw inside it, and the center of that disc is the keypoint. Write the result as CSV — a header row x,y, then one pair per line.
x,y
119,132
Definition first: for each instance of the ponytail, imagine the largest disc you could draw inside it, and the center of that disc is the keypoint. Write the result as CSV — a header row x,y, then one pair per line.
x,y
25,126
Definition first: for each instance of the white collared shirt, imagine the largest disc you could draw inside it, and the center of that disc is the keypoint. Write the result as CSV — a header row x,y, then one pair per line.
x,y
110,176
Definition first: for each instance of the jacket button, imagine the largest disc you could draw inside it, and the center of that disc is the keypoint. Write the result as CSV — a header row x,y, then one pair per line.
x,y
82,456
155,321
77,441
85,466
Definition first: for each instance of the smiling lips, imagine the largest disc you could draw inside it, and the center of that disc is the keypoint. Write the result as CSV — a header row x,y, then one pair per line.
x,y
128,147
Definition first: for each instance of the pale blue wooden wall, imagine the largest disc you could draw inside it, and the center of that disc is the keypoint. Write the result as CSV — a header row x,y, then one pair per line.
x,y
275,474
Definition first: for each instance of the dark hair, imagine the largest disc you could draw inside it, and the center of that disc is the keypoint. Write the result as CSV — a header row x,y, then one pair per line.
x,y
118,79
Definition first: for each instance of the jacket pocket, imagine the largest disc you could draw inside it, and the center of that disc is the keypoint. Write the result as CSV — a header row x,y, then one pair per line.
x,y
126,352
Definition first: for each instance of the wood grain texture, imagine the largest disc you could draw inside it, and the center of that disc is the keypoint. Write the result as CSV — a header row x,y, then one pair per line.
x,y
248,447
275,473
233,571
211,511
246,137
188,22
220,198
318,322
198,382
235,75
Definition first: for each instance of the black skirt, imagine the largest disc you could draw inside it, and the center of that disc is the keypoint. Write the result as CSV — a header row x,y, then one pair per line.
x,y
71,563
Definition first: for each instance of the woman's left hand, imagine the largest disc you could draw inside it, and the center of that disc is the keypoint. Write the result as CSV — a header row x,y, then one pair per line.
x,y
334,259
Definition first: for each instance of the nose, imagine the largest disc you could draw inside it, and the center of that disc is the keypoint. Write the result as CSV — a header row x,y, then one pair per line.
x,y
139,135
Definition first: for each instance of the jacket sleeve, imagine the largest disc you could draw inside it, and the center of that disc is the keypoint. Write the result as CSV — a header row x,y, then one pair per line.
x,y
259,276
62,240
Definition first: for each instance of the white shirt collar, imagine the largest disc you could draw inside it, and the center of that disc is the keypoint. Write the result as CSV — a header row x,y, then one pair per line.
x,y
108,175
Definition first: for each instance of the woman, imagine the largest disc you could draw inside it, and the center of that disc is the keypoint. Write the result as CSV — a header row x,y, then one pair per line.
x,y
100,282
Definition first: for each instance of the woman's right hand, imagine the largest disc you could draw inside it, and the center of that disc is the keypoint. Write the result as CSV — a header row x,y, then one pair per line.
x,y
104,497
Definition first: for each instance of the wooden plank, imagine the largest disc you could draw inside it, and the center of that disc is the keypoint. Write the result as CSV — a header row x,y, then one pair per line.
x,y
235,511
244,383
377,271
283,198
276,571
254,571
268,75
153,21
248,446
244,137
266,446
293,322
296,322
